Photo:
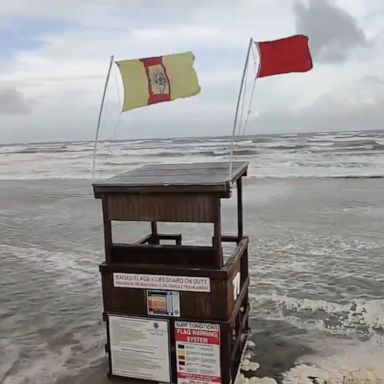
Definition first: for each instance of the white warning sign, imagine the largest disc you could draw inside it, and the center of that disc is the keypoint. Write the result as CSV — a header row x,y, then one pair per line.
x,y
173,283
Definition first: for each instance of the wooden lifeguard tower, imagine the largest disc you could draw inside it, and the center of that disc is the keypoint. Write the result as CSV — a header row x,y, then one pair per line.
x,y
174,313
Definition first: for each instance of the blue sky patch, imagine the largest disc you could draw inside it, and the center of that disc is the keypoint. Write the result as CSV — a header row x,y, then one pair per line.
x,y
26,34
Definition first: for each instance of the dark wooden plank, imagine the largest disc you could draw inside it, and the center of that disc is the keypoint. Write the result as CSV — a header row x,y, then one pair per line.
x,y
181,179
239,344
154,238
144,240
229,239
161,269
160,236
225,352
224,191
242,328
164,254
164,172
217,235
107,230
177,237
194,305
205,175
240,250
240,299
162,207
239,208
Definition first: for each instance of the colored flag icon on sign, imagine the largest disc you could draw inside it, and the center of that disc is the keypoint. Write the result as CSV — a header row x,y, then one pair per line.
x,y
156,79
290,54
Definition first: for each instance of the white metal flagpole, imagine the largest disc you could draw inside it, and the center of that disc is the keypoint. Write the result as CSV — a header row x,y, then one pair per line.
x,y
99,120
254,84
237,107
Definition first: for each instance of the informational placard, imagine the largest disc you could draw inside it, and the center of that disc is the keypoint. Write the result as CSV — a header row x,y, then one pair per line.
x,y
139,348
166,282
163,303
197,352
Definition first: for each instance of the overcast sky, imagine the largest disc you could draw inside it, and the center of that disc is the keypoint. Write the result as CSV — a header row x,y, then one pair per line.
x,y
54,57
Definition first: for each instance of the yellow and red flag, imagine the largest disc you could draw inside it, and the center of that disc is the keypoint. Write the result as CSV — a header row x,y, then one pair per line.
x,y
156,79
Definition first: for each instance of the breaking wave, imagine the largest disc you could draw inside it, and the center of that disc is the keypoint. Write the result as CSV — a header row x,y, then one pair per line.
x,y
336,155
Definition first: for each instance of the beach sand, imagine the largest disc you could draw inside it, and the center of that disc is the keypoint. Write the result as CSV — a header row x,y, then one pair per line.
x,y
316,263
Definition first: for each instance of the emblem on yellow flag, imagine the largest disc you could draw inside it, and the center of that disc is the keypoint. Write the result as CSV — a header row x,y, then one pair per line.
x,y
156,79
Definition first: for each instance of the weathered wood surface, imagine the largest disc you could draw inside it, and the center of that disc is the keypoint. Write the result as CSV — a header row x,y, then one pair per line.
x,y
219,304
193,260
192,256
154,207
203,177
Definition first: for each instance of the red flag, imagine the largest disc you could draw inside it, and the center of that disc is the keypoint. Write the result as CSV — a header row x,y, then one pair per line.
x,y
290,54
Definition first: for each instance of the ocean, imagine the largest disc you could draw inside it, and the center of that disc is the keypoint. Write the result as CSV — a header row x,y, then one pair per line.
x,y
314,155
314,211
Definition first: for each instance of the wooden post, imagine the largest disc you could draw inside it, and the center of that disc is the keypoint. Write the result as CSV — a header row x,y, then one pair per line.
x,y
239,209
217,235
154,238
107,230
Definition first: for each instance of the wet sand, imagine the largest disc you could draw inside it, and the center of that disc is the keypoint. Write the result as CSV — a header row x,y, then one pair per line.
x,y
315,260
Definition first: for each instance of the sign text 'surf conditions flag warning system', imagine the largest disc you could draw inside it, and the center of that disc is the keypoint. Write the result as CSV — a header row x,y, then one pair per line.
x,y
197,352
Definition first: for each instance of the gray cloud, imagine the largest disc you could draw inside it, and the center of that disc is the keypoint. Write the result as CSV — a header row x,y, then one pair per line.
x,y
13,102
375,79
70,85
332,31
327,113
